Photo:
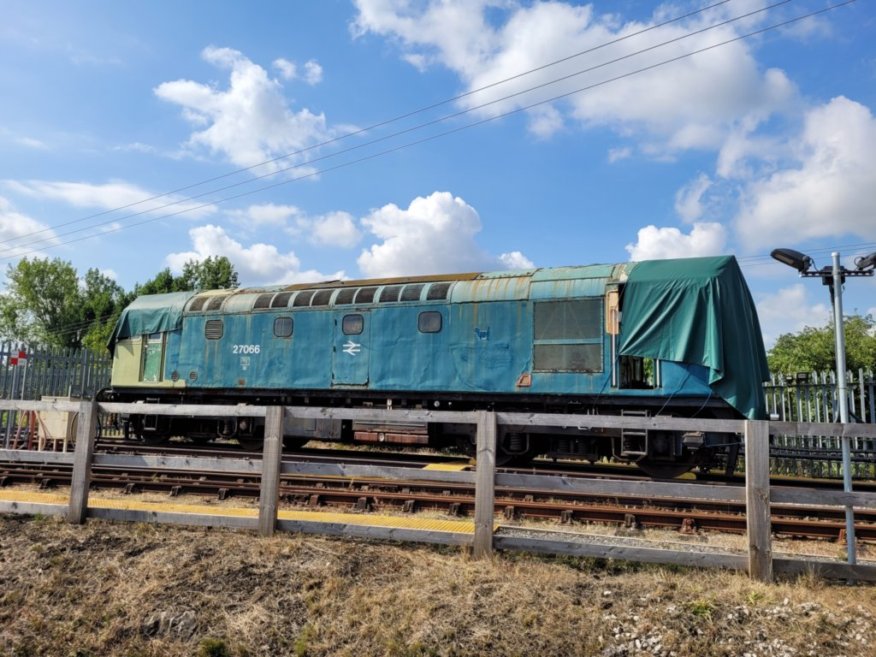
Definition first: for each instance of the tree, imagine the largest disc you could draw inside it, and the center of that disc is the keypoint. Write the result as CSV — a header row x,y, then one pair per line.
x,y
45,302
42,303
102,302
163,282
209,274
814,349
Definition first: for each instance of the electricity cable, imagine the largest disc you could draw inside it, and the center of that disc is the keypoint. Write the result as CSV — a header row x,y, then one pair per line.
x,y
379,124
445,133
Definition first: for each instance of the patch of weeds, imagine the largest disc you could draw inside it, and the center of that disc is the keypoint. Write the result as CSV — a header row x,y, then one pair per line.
x,y
754,598
212,647
303,640
702,609
40,518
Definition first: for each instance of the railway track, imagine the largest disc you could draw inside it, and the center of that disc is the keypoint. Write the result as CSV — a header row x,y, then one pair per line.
x,y
367,494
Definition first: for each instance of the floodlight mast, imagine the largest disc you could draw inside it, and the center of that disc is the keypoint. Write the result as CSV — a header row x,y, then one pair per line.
x,y
834,277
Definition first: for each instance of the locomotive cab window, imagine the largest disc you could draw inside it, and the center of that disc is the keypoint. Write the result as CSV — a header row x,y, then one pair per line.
x,y
353,324
630,372
567,335
639,373
283,327
153,358
429,322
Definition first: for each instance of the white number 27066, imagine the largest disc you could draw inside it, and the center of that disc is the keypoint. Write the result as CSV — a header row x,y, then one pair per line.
x,y
246,348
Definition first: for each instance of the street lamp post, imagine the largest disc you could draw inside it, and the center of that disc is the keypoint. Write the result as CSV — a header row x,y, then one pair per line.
x,y
834,277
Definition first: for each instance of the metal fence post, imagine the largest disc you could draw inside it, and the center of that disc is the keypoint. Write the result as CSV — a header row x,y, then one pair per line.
x,y
272,457
757,500
81,480
485,493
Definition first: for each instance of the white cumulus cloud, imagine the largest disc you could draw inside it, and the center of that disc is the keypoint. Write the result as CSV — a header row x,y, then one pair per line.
x,y
251,120
435,234
690,103
828,188
333,229
336,228
788,311
256,264
653,243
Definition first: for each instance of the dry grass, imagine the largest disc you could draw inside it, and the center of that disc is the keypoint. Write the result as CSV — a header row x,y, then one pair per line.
x,y
132,590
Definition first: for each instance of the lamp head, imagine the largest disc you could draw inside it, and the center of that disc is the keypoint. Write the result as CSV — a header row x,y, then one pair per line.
x,y
799,261
866,263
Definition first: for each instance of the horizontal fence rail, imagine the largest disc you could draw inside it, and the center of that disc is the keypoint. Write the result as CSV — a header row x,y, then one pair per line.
x,y
758,495
35,372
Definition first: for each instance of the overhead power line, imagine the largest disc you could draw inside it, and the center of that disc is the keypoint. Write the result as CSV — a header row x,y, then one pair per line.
x,y
458,128
366,129
421,126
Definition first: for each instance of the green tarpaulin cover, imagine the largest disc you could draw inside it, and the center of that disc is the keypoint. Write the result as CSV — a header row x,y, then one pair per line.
x,y
699,311
153,313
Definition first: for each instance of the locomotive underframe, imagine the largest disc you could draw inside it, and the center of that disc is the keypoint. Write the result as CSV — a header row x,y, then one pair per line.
x,y
662,453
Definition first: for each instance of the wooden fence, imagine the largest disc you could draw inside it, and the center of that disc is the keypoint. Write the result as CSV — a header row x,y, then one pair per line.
x,y
33,372
759,561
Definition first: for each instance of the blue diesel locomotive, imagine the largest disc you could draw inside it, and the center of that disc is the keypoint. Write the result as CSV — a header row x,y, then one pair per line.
x,y
664,337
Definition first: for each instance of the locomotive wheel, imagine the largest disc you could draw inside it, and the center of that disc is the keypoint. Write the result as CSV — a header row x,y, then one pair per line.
x,y
293,443
253,443
154,439
665,469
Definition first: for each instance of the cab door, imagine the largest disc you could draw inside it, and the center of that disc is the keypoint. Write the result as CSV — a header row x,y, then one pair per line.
x,y
352,349
152,358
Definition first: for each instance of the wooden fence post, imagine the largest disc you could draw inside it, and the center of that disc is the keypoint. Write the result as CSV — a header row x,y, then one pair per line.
x,y
757,500
86,431
272,457
485,493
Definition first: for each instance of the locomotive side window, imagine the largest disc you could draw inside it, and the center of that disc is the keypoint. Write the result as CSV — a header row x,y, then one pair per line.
x,y
281,300
429,322
303,298
353,324
568,336
214,329
412,292
263,301
283,327
322,298
437,291
197,303
215,303
346,296
365,294
390,293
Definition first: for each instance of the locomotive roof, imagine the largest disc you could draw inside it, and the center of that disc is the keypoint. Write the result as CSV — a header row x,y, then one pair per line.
x,y
589,280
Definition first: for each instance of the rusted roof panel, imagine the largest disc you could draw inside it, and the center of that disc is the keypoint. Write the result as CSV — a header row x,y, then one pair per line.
x,y
507,288
569,273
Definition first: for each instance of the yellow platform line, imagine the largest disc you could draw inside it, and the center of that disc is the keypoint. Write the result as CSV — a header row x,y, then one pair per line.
x,y
448,467
365,520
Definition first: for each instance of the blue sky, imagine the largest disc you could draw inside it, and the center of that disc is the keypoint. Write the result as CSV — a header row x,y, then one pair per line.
x,y
761,142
